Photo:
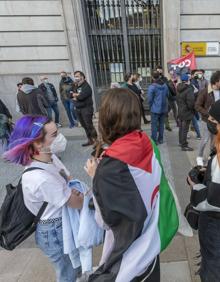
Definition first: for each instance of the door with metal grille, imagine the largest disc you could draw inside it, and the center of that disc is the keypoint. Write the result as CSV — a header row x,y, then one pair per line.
x,y
123,36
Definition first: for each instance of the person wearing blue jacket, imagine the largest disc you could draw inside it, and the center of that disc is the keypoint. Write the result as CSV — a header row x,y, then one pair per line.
x,y
158,102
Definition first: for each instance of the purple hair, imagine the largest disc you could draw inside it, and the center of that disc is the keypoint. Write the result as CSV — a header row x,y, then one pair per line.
x,y
27,130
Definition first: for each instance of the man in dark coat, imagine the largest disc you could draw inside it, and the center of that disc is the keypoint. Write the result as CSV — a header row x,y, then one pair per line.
x,y
31,100
84,106
185,102
66,84
51,95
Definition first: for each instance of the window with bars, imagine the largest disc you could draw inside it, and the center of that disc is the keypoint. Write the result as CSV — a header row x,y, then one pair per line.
x,y
123,36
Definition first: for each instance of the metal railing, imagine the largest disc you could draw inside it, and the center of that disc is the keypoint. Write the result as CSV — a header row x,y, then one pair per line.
x,y
123,36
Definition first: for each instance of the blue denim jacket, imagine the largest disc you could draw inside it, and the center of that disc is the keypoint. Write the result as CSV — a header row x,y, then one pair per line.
x,y
79,226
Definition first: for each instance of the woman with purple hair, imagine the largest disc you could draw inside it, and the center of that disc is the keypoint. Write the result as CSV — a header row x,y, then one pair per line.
x,y
34,143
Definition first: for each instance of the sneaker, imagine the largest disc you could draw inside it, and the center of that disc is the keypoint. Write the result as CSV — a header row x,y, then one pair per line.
x,y
58,125
71,125
198,138
199,161
185,149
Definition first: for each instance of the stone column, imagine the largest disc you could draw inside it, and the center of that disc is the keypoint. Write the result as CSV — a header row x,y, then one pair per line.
x,y
77,38
170,30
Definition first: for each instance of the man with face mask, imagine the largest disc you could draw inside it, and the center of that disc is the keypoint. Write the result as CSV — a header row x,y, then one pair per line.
x,y
51,95
203,83
131,83
65,86
83,102
162,77
185,102
205,100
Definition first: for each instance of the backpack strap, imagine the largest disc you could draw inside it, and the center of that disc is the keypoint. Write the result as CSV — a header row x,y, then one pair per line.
x,y
43,207
40,213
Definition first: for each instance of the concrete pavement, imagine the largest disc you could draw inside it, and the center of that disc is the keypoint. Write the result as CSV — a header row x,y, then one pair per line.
x,y
27,263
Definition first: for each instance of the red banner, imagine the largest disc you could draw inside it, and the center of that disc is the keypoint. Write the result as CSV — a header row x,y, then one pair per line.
x,y
183,64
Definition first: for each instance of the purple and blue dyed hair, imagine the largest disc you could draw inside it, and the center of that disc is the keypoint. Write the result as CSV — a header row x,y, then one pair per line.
x,y
27,130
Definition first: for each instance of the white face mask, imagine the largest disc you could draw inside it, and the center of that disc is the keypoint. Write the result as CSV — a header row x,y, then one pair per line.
x,y
45,80
58,145
200,75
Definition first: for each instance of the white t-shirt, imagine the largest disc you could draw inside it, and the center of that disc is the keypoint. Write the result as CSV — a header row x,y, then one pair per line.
x,y
46,186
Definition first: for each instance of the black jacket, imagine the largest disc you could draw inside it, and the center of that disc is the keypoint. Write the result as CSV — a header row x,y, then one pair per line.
x,y
205,196
185,101
33,103
65,87
43,88
172,90
4,110
84,100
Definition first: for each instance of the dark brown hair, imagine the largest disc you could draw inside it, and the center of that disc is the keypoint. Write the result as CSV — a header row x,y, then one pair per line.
x,y
27,80
155,75
119,114
80,73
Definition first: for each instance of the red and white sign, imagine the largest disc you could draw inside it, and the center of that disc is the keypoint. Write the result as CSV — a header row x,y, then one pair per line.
x,y
183,64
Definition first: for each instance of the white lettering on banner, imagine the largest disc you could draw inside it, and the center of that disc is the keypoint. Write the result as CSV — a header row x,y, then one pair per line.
x,y
185,63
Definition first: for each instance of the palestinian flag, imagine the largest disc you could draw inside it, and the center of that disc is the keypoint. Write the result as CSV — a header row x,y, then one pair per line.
x,y
137,205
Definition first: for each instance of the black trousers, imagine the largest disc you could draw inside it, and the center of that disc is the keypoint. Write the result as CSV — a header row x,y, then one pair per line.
x,y
85,118
183,131
142,110
150,275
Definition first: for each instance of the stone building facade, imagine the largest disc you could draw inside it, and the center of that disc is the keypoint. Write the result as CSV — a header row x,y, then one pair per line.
x,y
46,36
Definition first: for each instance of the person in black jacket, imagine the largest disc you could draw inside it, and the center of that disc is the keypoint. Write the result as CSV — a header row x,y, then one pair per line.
x,y
5,126
171,84
130,83
83,102
31,100
185,102
205,198
51,95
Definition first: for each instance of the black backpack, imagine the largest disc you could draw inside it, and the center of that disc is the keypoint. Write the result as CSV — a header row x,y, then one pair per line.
x,y
16,222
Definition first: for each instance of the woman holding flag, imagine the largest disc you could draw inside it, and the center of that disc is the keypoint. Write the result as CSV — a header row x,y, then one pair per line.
x,y
131,194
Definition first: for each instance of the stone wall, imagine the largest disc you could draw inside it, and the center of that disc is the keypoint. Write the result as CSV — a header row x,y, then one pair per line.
x,y
200,22
39,37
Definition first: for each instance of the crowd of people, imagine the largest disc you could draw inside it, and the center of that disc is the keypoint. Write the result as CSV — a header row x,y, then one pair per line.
x,y
124,160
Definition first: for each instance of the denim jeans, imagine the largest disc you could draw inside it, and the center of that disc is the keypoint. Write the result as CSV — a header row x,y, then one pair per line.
x,y
209,239
49,238
68,107
195,124
55,108
157,127
73,111
206,136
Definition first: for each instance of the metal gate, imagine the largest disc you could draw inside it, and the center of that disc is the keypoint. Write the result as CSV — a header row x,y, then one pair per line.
x,y
124,36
